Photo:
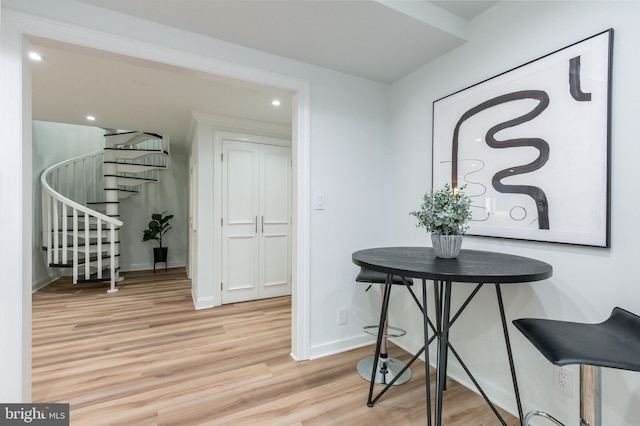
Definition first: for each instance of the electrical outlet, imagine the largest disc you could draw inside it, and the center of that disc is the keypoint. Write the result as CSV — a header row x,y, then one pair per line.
x,y
342,316
563,380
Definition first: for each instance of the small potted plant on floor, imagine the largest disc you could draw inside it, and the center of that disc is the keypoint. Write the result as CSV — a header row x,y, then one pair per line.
x,y
158,227
446,214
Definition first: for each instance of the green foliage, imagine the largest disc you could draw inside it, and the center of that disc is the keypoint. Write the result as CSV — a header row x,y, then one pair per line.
x,y
444,212
158,226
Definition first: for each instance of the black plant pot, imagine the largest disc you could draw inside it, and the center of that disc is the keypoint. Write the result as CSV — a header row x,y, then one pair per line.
x,y
160,256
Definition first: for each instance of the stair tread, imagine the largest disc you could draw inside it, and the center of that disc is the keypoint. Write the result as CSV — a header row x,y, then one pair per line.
x,y
120,189
112,154
91,228
157,136
81,216
133,177
120,163
81,261
106,276
70,245
162,151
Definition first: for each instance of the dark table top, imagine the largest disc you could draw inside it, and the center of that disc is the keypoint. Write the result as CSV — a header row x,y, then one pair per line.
x,y
471,266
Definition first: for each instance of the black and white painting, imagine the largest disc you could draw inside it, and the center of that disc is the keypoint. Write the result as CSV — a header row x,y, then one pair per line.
x,y
532,147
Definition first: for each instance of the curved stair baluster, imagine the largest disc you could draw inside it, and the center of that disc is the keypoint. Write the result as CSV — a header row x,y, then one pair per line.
x,y
64,218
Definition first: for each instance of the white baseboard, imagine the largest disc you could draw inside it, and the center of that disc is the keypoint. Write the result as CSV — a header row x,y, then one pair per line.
x,y
42,283
339,346
202,302
149,266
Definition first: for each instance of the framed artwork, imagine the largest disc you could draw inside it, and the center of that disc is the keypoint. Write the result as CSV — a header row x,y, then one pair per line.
x,y
532,147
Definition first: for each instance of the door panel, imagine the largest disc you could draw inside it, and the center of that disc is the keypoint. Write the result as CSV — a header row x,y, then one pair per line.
x,y
275,184
275,202
256,228
241,281
240,197
276,266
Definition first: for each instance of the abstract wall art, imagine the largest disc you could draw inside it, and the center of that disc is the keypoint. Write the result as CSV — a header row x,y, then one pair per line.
x,y
532,147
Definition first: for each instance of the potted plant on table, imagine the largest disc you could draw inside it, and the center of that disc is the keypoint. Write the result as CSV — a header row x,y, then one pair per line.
x,y
158,227
446,214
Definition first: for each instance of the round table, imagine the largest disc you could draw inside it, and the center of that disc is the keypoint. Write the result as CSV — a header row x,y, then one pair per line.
x,y
470,266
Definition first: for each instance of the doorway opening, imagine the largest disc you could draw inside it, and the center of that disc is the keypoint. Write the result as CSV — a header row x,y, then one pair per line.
x,y
30,27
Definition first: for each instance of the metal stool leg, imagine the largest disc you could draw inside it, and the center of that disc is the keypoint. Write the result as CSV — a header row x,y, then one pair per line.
x,y
590,395
388,368
532,414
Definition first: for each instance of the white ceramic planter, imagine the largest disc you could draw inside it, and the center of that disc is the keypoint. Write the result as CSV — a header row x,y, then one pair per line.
x,y
446,246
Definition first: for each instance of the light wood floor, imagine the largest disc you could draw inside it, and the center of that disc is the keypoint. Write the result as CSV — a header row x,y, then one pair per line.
x,y
144,356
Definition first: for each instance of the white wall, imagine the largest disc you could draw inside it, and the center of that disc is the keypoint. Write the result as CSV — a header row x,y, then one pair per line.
x,y
587,282
349,165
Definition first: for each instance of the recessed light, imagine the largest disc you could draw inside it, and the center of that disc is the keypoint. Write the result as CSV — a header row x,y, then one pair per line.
x,y
91,118
35,56
275,102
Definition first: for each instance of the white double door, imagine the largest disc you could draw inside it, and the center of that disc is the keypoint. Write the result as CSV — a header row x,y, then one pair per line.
x,y
256,221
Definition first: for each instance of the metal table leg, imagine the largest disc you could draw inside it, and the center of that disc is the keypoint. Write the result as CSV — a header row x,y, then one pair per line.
x,y
442,345
427,371
376,357
509,354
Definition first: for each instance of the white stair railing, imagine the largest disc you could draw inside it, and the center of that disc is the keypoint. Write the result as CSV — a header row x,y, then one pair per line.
x,y
90,237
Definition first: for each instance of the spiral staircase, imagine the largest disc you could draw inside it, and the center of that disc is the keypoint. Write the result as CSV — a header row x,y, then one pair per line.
x,y
81,198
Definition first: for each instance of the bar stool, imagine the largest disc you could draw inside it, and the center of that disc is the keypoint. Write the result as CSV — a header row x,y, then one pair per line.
x,y
614,343
388,368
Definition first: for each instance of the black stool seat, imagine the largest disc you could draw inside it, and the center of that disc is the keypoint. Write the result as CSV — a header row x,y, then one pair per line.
x,y
614,343
369,276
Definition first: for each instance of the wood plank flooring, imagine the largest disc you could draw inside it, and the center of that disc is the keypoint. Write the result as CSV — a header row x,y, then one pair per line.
x,y
144,356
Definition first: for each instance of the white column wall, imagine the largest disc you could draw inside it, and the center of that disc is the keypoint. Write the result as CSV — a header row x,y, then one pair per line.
x,y
203,257
15,199
349,165
587,282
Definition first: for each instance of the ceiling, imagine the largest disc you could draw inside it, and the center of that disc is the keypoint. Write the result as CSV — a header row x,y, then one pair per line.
x,y
378,40
128,93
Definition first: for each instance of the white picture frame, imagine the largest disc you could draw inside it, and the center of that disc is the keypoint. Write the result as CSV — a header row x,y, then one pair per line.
x,y
532,147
